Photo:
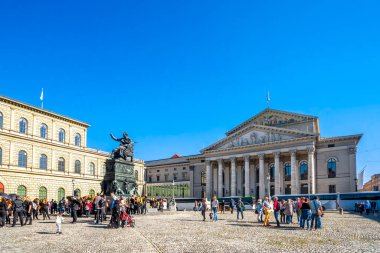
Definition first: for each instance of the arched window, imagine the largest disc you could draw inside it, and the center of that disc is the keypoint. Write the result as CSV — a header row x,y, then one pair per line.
x,y
271,173
61,135
136,175
91,193
42,193
1,120
1,156
43,131
22,159
91,169
288,172
77,167
78,192
331,168
43,162
1,187
21,191
61,164
61,193
77,140
23,126
304,170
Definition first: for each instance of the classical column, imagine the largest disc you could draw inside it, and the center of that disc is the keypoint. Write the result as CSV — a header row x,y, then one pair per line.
x,y
311,170
220,178
277,182
233,177
293,164
352,168
246,176
209,180
261,176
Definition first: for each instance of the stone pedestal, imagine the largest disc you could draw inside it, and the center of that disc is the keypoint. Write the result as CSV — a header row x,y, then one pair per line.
x,y
119,178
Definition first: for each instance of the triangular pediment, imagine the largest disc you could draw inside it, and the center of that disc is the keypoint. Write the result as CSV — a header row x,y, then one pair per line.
x,y
274,118
256,135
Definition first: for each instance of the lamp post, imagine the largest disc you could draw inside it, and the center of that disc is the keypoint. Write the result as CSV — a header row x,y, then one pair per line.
x,y
268,186
73,181
356,184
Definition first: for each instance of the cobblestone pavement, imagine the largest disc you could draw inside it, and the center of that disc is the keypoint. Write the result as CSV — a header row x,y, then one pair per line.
x,y
185,232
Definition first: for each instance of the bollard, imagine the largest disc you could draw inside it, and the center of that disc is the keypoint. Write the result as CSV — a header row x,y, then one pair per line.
x,y
341,211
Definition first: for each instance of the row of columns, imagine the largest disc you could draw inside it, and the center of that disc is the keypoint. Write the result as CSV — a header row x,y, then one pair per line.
x,y
295,182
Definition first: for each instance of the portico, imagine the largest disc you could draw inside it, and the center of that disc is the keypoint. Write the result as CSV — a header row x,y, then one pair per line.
x,y
270,165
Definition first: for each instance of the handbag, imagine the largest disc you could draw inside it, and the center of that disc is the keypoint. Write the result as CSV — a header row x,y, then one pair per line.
x,y
319,212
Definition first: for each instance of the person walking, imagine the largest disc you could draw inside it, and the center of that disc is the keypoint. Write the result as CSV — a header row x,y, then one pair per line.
x,y
18,210
215,206
74,203
316,212
276,210
29,211
305,214
223,206
45,210
240,209
35,209
203,208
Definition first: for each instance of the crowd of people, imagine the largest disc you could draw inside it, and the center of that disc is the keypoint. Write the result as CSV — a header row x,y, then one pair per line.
x,y
303,211
24,210
367,207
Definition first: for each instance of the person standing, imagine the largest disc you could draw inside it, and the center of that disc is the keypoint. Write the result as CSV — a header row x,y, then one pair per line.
x,y
223,206
276,209
297,207
232,204
215,206
305,214
18,209
62,205
259,210
266,209
316,212
240,209
367,207
289,211
203,208
74,202
29,211
58,223
45,209
3,211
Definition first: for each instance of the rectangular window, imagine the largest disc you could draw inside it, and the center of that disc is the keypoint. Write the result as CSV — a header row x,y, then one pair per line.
x,y
158,178
184,168
150,179
184,176
166,178
175,176
376,188
332,189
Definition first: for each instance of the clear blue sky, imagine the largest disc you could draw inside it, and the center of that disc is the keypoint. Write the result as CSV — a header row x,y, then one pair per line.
x,y
178,74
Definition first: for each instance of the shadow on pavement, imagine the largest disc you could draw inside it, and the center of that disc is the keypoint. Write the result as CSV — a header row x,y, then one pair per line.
x,y
46,233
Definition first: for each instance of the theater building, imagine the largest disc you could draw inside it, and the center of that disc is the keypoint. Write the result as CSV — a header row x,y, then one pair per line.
x,y
45,155
274,152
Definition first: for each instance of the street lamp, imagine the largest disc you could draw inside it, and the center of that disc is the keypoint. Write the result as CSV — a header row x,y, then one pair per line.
x,y
73,181
268,186
356,184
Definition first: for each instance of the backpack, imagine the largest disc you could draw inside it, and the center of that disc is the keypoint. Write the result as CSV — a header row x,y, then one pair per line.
x,y
101,203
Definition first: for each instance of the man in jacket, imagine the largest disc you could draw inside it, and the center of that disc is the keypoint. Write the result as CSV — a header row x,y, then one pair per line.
x,y
239,208
18,209
316,210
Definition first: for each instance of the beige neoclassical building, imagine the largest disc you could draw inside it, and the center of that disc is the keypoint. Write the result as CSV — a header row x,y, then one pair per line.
x,y
45,155
274,152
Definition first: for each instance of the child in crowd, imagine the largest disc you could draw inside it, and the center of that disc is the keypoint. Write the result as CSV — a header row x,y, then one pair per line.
x,y
58,223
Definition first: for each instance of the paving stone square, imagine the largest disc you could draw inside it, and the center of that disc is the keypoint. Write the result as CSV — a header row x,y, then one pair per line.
x,y
186,232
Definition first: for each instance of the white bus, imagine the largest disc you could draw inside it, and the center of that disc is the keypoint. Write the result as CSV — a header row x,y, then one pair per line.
x,y
188,203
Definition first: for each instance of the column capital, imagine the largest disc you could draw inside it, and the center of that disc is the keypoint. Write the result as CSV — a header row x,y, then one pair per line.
x,y
293,152
311,149
246,158
261,156
220,161
352,150
276,154
233,159
208,162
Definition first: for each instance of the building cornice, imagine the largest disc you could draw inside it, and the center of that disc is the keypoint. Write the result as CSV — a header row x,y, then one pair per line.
x,y
32,108
355,138
262,146
258,127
